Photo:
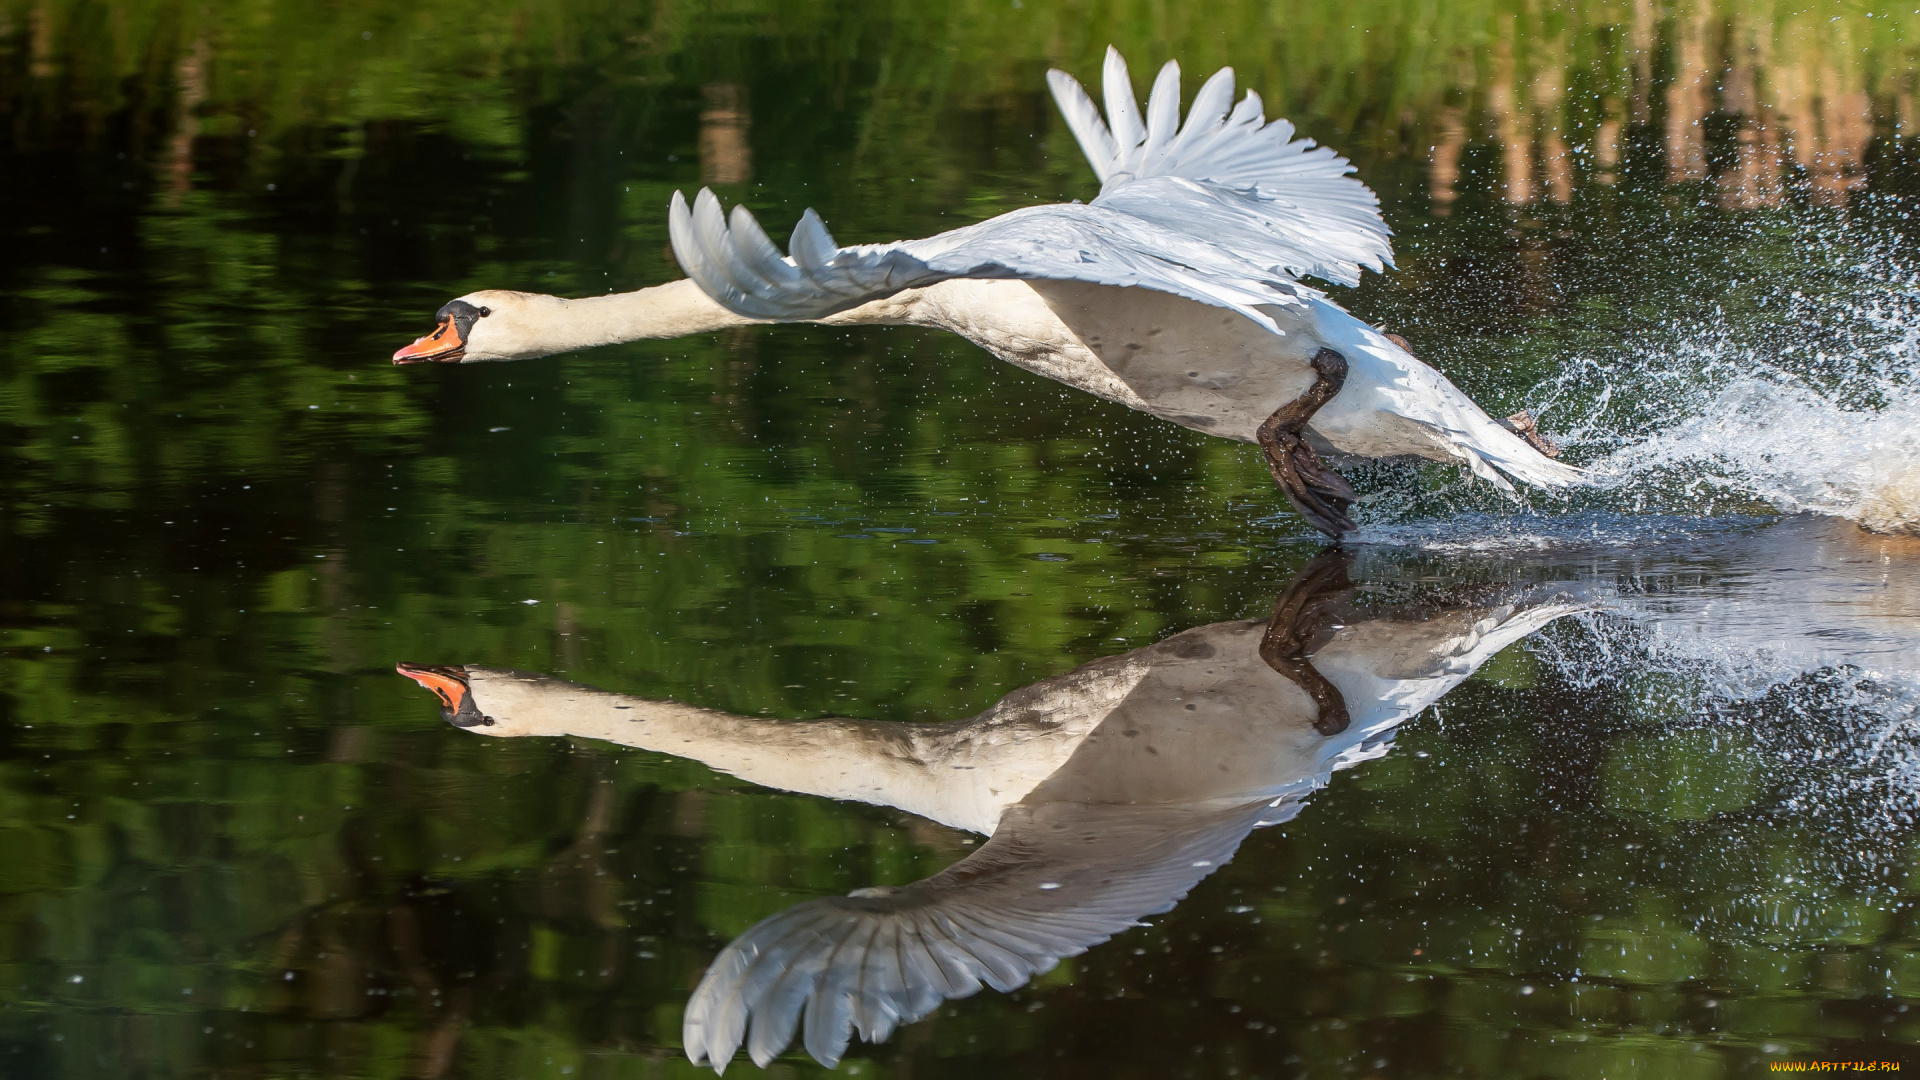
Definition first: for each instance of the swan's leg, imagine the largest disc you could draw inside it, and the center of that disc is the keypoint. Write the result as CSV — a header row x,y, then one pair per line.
x,y
1318,492
1304,618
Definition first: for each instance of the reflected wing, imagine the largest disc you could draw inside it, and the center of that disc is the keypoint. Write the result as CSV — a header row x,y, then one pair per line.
x,y
1226,172
735,263
1055,879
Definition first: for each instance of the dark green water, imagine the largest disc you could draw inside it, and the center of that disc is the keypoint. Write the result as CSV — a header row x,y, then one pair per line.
x,y
1671,835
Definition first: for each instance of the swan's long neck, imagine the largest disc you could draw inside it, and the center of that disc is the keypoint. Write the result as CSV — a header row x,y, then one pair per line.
x,y
546,325
675,309
954,774
870,761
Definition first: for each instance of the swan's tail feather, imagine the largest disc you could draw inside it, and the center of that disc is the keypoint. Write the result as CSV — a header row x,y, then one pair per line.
x,y
1492,451
1387,385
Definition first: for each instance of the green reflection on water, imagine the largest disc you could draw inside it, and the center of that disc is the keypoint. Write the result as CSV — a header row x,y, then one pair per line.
x,y
231,840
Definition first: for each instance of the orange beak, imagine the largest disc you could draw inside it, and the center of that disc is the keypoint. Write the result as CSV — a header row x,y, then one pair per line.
x,y
449,684
445,344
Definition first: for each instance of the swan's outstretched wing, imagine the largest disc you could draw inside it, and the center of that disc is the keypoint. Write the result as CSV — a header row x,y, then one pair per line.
x,y
740,268
1055,879
1226,172
1226,209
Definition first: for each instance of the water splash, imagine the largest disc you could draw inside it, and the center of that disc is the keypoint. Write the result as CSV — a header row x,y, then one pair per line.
x,y
1792,447
1836,742
1805,401
1797,639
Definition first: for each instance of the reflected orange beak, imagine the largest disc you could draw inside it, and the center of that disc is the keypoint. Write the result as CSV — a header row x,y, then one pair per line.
x,y
445,344
449,684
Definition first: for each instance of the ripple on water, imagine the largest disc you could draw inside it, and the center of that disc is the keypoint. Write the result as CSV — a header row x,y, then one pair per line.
x,y
1797,637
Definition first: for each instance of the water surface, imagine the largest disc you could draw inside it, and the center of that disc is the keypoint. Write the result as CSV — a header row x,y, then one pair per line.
x,y
1669,833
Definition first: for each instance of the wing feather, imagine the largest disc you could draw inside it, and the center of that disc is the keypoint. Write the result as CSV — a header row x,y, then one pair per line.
x,y
832,1004
1123,112
1208,115
1163,112
1225,209
739,267
883,993
1084,120
812,246
1309,187
1054,880
759,257
796,986
716,1024
710,229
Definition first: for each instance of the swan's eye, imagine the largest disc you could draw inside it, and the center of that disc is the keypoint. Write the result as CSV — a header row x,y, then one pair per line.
x,y
485,311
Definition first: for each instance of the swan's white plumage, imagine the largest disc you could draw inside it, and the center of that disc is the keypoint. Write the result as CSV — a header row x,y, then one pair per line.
x,y
738,265
1055,880
1392,403
1167,194
1226,210
1108,791
1320,219
1110,839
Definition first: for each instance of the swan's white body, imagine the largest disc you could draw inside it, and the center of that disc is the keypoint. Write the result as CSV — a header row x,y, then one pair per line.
x,y
1108,792
1175,292
1213,370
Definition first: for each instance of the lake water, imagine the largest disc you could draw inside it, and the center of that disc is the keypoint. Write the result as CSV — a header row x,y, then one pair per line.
x,y
1629,782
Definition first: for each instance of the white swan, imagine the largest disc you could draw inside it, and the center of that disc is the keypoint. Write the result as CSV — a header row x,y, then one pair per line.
x,y
1176,292
1108,792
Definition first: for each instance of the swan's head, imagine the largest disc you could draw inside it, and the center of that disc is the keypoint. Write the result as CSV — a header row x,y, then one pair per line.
x,y
492,324
459,705
493,701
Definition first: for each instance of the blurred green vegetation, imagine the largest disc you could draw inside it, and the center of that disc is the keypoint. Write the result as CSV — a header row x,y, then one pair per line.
x,y
481,73
232,842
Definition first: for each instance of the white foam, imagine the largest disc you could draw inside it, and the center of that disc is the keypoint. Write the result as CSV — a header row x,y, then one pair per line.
x,y
1807,401
1794,448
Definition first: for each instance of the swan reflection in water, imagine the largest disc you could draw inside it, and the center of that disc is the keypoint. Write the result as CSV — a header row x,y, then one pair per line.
x,y
1107,792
